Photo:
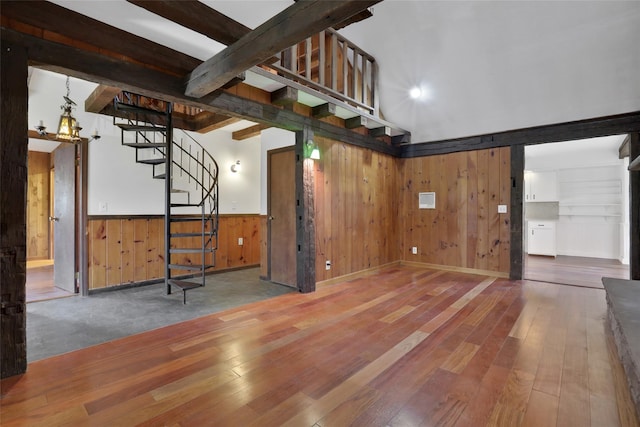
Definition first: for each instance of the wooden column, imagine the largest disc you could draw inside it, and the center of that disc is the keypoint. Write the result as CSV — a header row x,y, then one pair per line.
x,y
517,223
634,210
305,214
13,202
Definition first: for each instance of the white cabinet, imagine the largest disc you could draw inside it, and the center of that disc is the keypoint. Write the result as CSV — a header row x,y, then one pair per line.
x,y
541,239
540,187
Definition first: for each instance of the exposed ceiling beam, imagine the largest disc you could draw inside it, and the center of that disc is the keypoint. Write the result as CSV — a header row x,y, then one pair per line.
x,y
198,17
93,66
82,30
296,23
100,98
249,132
361,16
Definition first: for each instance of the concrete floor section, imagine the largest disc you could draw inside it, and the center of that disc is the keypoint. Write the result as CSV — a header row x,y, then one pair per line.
x,y
62,325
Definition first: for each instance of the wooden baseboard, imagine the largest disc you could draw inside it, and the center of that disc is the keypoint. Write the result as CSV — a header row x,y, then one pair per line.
x,y
457,269
356,275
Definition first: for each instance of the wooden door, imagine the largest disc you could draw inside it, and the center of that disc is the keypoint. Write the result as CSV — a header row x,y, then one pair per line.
x,y
64,208
282,216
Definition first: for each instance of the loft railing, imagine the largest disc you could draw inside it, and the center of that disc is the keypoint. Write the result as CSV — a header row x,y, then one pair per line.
x,y
329,63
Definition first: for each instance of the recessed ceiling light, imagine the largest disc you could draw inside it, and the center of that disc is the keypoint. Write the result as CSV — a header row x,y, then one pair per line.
x,y
415,92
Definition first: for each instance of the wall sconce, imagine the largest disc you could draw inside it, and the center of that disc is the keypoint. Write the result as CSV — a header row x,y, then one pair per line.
x,y
235,167
313,152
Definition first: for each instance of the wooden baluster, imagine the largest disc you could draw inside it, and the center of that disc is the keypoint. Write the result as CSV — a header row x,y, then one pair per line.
x,y
334,61
307,57
354,70
363,83
345,68
321,59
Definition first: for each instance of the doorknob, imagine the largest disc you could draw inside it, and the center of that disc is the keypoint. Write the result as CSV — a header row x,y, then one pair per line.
x,y
54,219
271,218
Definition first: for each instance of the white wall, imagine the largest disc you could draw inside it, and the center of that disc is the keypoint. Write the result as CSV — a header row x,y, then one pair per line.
x,y
272,138
500,65
128,188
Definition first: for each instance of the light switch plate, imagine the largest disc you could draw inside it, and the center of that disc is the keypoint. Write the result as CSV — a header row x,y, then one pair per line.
x,y
502,208
414,250
240,241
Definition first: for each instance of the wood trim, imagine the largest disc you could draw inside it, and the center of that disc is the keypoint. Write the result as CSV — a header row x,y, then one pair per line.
x,y
456,269
94,217
13,205
581,129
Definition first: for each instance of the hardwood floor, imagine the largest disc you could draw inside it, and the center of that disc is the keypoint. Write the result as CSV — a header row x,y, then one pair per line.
x,y
405,347
39,283
569,270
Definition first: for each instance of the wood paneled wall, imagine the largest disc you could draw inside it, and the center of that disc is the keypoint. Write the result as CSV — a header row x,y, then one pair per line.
x,y
356,209
38,205
129,250
465,229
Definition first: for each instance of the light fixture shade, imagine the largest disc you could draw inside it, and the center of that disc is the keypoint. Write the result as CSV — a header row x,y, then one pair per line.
x,y
235,167
315,153
68,128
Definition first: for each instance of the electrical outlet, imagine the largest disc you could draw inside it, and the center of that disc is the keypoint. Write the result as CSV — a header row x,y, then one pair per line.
x,y
502,208
240,241
414,250
328,265
103,207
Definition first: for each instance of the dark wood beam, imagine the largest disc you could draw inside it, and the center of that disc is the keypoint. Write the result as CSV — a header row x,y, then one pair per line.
x,y
516,218
287,28
380,131
355,122
13,205
198,17
361,16
285,96
324,110
305,215
581,129
249,132
132,77
85,30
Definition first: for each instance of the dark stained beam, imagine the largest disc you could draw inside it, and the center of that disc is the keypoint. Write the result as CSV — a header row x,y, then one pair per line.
x,y
285,96
305,215
198,17
13,205
324,110
287,28
380,131
355,122
75,26
634,209
623,150
249,132
361,16
93,66
516,225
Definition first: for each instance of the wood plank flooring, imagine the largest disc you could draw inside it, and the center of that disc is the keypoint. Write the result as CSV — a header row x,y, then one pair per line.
x,y
570,270
405,347
39,285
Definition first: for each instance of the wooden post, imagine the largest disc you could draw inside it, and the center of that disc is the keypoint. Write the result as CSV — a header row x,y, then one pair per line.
x,y
634,210
517,222
13,202
305,214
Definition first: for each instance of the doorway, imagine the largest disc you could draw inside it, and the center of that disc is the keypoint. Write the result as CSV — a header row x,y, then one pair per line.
x,y
576,196
51,221
281,209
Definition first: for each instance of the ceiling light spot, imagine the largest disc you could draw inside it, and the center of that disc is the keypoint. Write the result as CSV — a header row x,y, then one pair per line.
x,y
415,92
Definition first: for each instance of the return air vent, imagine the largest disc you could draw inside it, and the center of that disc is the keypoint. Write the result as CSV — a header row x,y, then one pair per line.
x,y
427,200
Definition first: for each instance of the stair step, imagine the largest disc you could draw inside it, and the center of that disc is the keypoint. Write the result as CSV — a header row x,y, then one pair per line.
x,y
190,266
190,250
140,128
184,285
151,161
206,233
161,176
184,205
177,190
136,109
145,144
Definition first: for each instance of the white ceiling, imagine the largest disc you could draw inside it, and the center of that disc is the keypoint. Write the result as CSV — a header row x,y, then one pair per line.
x,y
490,65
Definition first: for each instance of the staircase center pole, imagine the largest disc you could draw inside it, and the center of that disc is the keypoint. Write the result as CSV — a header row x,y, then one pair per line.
x,y
168,161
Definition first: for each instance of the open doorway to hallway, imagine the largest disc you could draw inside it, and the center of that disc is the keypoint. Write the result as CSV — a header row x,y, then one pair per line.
x,y
576,212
